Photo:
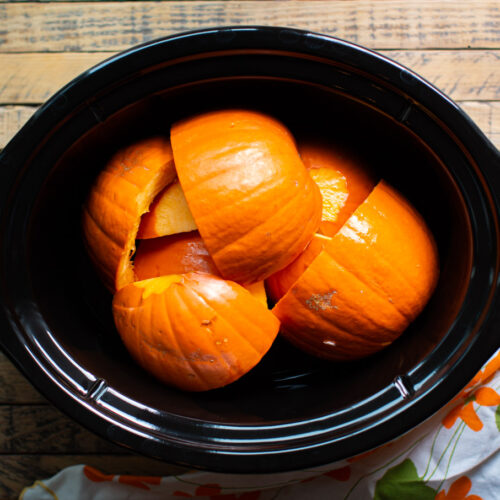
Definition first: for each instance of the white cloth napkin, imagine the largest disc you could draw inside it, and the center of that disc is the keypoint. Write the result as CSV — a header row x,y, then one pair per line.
x,y
452,456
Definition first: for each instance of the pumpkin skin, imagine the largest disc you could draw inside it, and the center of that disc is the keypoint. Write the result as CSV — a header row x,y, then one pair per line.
x,y
370,281
252,199
123,191
193,331
280,282
344,182
178,254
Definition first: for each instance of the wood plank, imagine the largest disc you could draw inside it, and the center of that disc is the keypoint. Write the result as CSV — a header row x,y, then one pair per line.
x,y
112,26
19,471
33,78
486,115
462,74
14,388
43,429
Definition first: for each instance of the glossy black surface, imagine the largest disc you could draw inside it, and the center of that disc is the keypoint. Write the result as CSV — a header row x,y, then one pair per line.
x,y
297,411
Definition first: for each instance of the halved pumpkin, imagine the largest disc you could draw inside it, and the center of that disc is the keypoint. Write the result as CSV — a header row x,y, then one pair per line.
x,y
193,331
370,281
123,192
251,197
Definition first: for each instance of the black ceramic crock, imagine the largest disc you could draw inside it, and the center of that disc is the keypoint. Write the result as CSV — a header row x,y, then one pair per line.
x,y
291,412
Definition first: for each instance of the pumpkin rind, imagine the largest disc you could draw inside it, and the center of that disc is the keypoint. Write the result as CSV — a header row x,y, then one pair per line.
x,y
122,192
370,281
251,197
198,333
280,282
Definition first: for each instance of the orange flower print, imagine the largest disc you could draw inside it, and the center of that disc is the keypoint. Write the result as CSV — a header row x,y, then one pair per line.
x,y
467,413
96,476
484,396
137,481
481,376
458,491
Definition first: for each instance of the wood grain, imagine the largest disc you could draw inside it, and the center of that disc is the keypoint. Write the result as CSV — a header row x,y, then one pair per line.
x,y
462,74
14,388
33,78
486,115
19,471
44,429
111,26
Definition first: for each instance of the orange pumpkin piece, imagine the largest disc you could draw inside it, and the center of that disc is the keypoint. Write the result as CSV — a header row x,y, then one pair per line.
x,y
370,281
122,192
193,331
251,197
168,214
178,254
280,282
343,181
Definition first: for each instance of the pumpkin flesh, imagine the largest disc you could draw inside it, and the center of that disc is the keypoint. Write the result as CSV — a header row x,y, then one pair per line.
x,y
178,254
344,182
168,214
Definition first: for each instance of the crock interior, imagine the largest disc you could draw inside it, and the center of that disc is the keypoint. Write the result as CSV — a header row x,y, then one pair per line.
x,y
287,385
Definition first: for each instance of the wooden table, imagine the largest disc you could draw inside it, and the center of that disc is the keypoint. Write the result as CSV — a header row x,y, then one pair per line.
x,y
454,44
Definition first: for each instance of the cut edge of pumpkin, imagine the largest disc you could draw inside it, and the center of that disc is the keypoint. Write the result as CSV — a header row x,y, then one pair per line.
x,y
123,274
327,238
157,285
290,290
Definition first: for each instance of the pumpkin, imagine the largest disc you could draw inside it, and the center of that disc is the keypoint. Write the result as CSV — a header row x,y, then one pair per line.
x,y
193,331
344,181
168,214
178,254
280,282
367,284
252,199
122,192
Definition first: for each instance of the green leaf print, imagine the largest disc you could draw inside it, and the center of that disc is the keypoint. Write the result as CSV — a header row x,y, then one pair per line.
x,y
497,417
402,482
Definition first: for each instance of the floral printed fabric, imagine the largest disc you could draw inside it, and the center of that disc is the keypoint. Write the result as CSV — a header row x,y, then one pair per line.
x,y
453,456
